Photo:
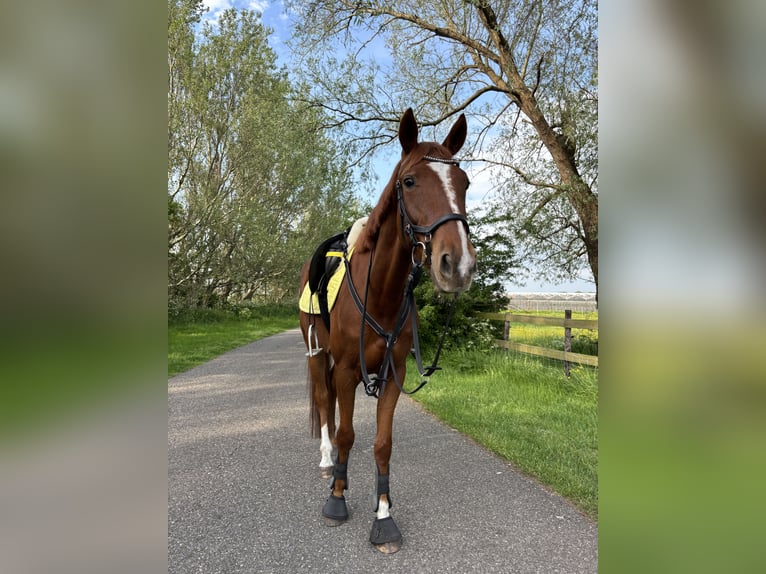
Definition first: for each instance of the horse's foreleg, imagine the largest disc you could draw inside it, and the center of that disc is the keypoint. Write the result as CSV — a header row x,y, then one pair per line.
x,y
335,509
385,534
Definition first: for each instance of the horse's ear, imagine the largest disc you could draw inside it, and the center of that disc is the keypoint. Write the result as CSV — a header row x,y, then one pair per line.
x,y
408,131
456,136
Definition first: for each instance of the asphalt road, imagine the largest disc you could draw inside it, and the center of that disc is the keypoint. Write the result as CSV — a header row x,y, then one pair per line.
x,y
244,492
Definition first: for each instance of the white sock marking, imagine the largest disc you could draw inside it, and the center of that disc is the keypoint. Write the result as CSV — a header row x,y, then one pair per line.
x,y
442,170
325,447
383,507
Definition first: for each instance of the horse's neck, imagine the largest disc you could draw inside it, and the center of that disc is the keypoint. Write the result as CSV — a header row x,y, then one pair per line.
x,y
390,268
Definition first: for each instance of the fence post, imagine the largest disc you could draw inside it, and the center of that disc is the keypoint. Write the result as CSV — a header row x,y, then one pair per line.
x,y
567,340
506,331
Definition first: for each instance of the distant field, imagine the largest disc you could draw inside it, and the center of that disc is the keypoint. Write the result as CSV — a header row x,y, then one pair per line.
x,y
583,340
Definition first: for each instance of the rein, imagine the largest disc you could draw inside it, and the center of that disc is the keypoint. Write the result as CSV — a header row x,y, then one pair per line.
x,y
374,385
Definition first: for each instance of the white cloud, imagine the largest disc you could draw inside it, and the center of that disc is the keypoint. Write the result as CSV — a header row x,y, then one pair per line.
x,y
217,5
215,8
257,5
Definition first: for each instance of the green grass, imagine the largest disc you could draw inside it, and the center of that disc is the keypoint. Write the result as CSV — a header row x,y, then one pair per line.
x,y
199,336
526,411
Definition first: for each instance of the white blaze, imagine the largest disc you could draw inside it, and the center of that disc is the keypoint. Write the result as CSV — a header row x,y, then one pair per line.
x,y
442,170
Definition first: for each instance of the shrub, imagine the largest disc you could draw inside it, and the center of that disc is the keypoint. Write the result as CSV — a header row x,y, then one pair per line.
x,y
465,330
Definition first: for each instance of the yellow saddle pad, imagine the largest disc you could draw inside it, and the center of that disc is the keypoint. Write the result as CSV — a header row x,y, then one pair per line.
x,y
309,302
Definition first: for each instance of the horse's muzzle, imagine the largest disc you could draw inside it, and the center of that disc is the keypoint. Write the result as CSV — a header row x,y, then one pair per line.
x,y
452,271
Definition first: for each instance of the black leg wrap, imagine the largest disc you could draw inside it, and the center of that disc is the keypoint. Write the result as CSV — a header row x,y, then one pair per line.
x,y
382,489
384,530
335,508
339,473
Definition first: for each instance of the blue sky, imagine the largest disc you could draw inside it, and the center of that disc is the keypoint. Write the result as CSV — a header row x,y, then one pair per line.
x,y
275,17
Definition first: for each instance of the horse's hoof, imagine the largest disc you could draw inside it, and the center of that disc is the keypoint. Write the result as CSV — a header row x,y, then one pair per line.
x,y
332,523
389,547
385,535
326,471
335,511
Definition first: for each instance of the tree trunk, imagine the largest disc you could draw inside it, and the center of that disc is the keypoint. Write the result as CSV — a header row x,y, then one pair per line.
x,y
579,194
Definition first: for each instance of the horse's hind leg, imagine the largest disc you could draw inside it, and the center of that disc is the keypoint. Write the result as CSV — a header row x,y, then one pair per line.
x,y
323,399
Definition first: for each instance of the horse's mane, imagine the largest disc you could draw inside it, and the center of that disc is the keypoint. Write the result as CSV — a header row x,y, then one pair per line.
x,y
369,235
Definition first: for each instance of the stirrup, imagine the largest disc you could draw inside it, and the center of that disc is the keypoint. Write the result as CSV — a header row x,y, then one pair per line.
x,y
315,349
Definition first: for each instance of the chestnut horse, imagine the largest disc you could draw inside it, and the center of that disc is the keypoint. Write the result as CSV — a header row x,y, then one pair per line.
x,y
419,221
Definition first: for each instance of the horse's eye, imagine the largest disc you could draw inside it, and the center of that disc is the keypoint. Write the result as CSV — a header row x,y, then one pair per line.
x,y
409,181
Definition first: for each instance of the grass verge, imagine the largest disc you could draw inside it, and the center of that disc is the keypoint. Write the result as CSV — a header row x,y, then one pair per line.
x,y
202,335
526,411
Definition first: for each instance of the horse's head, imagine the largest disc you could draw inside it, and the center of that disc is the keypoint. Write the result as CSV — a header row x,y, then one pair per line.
x,y
431,191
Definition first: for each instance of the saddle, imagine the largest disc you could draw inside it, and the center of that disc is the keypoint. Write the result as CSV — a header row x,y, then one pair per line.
x,y
326,273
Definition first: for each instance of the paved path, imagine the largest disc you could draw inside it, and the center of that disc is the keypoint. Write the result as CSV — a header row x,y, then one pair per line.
x,y
244,492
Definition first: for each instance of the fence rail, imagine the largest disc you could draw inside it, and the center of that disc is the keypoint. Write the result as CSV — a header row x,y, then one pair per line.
x,y
567,323
549,321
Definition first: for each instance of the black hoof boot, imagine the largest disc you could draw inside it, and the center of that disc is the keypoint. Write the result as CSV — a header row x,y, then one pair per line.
x,y
334,511
385,535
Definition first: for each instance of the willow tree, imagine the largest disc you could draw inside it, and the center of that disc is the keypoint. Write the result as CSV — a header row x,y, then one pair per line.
x,y
524,69
252,181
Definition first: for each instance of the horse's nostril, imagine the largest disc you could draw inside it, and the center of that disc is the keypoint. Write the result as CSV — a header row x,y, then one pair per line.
x,y
446,265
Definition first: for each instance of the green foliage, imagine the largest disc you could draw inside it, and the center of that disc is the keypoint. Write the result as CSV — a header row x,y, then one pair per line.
x,y
465,331
495,262
227,311
253,183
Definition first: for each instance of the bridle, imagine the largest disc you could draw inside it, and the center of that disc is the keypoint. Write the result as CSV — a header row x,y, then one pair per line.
x,y
374,385
409,229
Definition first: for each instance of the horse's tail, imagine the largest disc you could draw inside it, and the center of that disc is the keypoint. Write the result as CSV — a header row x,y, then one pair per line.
x,y
313,407
318,378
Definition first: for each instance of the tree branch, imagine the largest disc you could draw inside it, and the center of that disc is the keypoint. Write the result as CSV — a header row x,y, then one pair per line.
x,y
447,33
460,107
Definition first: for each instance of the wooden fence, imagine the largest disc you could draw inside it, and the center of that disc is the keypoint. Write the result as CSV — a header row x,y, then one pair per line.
x,y
567,323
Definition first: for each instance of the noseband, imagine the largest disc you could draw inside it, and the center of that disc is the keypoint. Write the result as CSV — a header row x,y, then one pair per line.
x,y
409,229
